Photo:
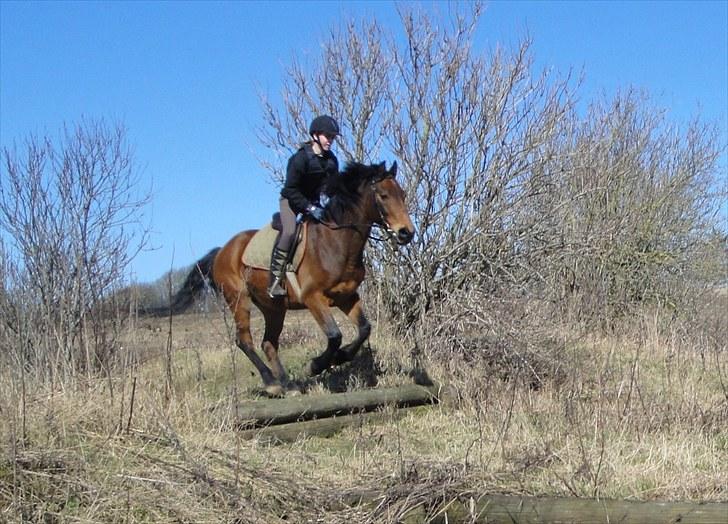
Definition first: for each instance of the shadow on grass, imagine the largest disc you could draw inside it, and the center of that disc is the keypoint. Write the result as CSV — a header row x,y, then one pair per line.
x,y
363,371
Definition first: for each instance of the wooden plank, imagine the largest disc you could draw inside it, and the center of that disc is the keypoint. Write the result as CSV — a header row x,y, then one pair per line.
x,y
496,509
260,413
323,427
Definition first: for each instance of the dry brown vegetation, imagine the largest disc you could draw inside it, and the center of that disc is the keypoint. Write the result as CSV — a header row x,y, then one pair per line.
x,y
638,415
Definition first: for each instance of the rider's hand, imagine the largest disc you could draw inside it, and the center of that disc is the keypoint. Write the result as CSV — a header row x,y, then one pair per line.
x,y
316,212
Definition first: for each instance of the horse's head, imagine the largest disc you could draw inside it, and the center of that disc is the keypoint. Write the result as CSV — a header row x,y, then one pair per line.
x,y
389,198
370,194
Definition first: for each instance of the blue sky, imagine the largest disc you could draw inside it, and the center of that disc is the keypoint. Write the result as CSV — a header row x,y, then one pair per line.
x,y
184,78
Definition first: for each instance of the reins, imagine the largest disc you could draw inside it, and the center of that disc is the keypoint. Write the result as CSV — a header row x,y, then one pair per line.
x,y
356,227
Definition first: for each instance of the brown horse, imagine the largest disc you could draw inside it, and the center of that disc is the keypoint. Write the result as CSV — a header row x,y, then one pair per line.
x,y
329,274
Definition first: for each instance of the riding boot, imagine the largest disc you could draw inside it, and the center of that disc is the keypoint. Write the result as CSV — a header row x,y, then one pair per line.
x,y
277,273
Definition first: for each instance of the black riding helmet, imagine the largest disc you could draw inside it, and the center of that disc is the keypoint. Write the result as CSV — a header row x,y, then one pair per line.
x,y
324,124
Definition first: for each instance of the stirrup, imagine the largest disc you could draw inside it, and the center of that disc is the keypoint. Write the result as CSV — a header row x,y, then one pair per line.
x,y
276,290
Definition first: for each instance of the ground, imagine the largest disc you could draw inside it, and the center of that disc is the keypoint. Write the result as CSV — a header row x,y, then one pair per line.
x,y
155,440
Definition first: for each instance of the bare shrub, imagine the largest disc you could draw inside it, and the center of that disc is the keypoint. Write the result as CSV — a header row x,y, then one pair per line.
x,y
481,335
70,214
635,206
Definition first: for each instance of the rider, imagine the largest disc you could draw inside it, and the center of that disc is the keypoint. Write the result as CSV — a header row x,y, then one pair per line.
x,y
306,175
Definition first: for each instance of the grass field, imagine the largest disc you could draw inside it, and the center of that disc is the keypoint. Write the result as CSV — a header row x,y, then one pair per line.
x,y
639,415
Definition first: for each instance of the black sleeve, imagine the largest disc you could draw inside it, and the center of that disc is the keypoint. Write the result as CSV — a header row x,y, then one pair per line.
x,y
295,172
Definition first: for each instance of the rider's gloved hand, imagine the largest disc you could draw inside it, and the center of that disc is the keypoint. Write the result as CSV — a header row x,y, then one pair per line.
x,y
324,199
316,212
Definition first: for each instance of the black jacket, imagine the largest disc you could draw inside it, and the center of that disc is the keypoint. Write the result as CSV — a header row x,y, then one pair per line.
x,y
306,177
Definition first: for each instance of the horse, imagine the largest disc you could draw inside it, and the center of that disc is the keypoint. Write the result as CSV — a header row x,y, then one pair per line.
x,y
329,274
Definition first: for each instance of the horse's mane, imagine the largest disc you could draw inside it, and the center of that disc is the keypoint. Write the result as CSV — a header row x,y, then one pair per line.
x,y
345,190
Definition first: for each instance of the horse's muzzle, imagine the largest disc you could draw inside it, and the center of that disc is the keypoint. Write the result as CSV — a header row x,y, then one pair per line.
x,y
404,236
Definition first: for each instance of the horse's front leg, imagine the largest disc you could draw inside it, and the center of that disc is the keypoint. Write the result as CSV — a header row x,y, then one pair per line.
x,y
353,309
318,305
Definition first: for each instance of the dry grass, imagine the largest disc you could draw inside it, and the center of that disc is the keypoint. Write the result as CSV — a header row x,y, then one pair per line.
x,y
641,415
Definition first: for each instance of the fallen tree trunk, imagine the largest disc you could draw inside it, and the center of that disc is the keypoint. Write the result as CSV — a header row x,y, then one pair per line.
x,y
507,509
261,413
323,427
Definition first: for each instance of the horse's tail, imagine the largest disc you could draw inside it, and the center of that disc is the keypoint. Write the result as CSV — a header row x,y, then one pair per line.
x,y
199,277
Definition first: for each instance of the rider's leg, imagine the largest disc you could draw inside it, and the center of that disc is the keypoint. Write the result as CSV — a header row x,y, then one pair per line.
x,y
281,249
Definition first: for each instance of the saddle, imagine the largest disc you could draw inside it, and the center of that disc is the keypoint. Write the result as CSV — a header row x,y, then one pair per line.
x,y
257,252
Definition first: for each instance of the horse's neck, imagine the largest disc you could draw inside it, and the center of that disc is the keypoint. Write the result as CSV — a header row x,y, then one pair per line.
x,y
352,228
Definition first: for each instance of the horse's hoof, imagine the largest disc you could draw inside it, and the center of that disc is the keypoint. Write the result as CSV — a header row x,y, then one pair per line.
x,y
293,392
274,390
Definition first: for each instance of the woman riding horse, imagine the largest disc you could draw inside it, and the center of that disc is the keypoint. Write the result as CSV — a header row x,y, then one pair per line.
x,y
306,174
329,273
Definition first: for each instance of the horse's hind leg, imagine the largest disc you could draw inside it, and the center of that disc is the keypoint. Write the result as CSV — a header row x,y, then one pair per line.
x,y
273,327
353,309
240,305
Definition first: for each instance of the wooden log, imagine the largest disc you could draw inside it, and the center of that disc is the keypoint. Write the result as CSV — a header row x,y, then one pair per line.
x,y
261,413
323,427
496,509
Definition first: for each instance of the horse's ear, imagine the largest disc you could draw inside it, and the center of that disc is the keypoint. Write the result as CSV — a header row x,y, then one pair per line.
x,y
382,169
393,169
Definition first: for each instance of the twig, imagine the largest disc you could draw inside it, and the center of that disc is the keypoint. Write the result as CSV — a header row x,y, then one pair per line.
x,y
168,355
131,407
144,479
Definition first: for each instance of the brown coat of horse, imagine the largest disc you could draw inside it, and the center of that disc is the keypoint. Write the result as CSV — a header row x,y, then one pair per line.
x,y
330,273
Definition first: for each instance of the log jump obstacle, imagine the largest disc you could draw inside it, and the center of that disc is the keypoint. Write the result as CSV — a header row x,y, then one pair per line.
x,y
513,509
286,419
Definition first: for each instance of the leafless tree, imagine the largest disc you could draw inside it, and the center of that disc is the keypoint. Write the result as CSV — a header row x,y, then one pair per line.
x,y
638,212
71,220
